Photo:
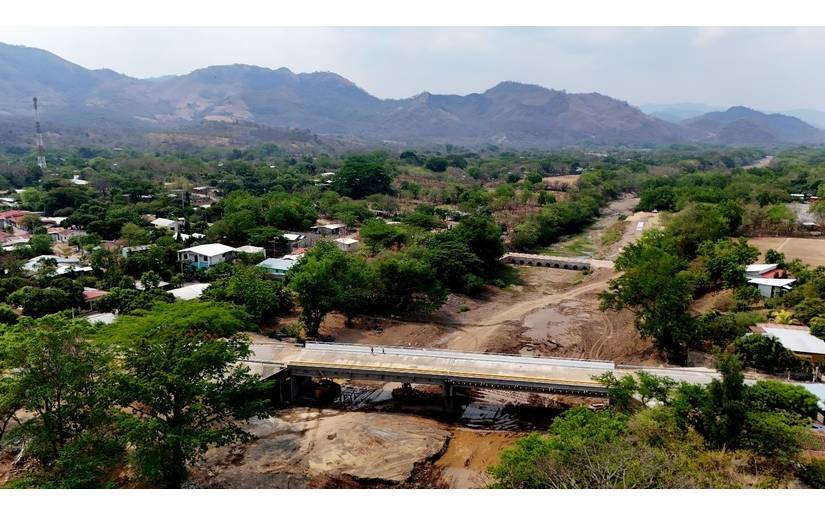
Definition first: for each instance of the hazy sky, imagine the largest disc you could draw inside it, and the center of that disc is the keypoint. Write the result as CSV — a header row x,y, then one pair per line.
x,y
765,68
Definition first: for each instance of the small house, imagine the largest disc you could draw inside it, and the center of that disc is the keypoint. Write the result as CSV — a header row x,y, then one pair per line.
x,y
175,226
12,218
330,229
277,267
62,235
134,249
92,296
206,255
772,287
797,339
346,244
189,291
251,249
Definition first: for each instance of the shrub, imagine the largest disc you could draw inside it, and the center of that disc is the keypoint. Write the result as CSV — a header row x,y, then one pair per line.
x,y
765,353
813,474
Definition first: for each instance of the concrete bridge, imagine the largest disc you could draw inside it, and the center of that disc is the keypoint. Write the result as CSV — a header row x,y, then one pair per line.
x,y
557,262
449,369
294,364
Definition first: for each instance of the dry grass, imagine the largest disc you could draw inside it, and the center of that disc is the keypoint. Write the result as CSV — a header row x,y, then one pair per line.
x,y
810,250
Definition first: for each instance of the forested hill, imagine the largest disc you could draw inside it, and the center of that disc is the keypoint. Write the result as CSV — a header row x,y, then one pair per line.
x,y
324,103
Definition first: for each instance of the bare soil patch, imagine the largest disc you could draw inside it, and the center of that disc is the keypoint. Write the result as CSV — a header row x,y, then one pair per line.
x,y
306,447
809,250
470,453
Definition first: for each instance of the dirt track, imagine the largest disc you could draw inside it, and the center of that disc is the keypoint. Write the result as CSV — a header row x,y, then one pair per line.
x,y
476,337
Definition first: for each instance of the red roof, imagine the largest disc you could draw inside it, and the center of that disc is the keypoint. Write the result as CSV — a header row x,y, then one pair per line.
x,y
13,214
93,294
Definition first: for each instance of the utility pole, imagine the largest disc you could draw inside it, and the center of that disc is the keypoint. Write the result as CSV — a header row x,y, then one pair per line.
x,y
41,154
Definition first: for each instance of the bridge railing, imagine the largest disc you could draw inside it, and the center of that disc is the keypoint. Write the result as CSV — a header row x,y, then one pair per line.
x,y
459,355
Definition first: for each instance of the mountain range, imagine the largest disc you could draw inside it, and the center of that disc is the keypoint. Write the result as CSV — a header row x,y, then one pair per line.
x,y
325,103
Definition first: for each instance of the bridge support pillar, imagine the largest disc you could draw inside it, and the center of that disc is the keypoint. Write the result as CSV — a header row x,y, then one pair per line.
x,y
449,396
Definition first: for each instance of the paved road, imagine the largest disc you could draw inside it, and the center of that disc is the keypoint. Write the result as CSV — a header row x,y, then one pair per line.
x,y
433,366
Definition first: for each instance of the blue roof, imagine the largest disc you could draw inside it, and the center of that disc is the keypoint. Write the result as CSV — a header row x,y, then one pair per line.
x,y
277,264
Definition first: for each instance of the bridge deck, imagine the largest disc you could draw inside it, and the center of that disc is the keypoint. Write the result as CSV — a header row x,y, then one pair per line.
x,y
430,366
414,365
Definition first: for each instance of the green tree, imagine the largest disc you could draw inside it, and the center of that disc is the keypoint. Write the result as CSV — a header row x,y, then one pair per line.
x,y
378,235
128,300
588,449
249,287
363,175
52,370
724,409
7,315
40,244
132,234
656,289
37,302
765,353
405,285
437,163
184,387
726,260
321,281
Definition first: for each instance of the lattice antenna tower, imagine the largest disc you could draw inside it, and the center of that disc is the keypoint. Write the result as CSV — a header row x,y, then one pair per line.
x,y
41,152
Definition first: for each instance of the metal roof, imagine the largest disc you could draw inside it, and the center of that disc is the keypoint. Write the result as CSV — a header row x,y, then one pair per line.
x,y
208,249
277,264
252,249
187,292
760,267
795,338
773,282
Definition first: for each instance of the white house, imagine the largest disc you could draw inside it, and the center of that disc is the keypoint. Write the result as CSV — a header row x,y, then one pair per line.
x,y
206,255
346,244
173,225
772,287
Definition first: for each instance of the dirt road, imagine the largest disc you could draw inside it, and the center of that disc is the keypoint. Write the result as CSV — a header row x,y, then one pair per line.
x,y
476,337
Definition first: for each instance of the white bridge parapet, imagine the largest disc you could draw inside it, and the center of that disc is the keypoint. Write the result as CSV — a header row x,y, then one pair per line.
x,y
459,355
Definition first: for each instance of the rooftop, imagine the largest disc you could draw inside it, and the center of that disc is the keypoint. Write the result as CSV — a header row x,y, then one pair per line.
x,y
103,318
773,282
208,249
281,264
251,249
191,291
93,294
165,223
347,240
329,226
795,338
759,268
